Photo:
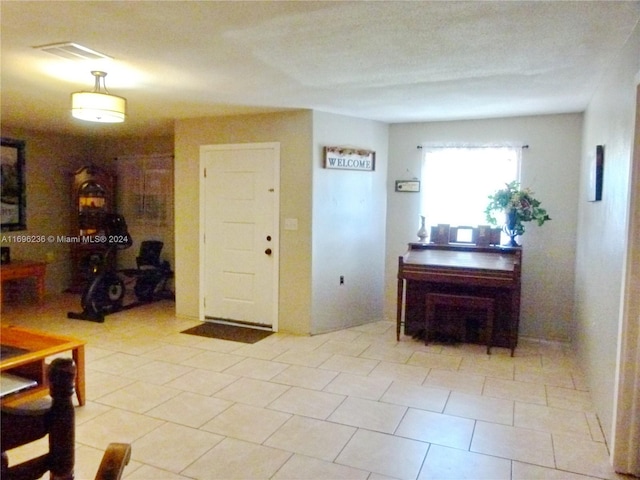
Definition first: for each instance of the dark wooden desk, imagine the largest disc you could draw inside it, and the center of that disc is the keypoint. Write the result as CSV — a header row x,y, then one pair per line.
x,y
20,269
460,269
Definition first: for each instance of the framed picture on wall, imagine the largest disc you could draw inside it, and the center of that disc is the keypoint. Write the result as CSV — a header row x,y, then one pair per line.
x,y
596,174
12,185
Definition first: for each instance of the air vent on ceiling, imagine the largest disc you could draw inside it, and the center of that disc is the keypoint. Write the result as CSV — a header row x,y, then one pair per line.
x,y
72,51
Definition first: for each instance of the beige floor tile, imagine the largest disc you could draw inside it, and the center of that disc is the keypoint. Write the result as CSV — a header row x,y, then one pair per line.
x,y
526,471
147,472
480,407
311,437
158,372
445,430
347,364
264,351
417,396
189,409
432,360
384,454
550,419
513,390
594,427
236,459
303,358
375,328
569,399
171,353
458,381
388,353
494,367
118,363
305,377
138,397
400,372
115,426
252,392
245,422
256,368
212,360
337,347
544,376
173,447
308,468
89,411
204,382
99,383
359,412
359,386
445,463
308,403
521,444
579,455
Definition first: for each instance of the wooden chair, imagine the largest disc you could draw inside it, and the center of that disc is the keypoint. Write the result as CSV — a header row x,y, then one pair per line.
x,y
54,417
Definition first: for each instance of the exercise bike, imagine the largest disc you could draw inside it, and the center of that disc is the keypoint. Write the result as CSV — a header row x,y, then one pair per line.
x,y
105,294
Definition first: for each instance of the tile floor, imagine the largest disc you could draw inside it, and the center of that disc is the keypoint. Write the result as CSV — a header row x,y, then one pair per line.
x,y
353,404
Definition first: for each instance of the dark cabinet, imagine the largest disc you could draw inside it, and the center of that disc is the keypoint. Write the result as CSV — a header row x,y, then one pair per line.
x,y
93,197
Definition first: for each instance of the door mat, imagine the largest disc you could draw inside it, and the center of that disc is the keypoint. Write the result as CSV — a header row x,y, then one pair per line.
x,y
228,332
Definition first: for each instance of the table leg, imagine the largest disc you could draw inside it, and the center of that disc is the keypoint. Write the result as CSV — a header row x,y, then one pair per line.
x,y
78,358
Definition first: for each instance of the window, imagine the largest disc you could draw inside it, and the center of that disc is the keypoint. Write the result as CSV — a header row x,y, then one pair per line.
x,y
457,181
146,186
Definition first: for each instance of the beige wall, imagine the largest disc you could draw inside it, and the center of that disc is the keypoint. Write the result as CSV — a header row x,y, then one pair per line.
x,y
603,229
50,163
293,130
549,167
349,216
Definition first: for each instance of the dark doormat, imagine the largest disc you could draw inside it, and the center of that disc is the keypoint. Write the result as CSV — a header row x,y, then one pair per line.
x,y
228,332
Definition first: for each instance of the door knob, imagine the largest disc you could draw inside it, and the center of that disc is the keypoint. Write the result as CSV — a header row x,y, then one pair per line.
x,y
268,251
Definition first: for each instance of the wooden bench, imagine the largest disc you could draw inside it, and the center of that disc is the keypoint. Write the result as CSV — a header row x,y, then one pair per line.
x,y
433,300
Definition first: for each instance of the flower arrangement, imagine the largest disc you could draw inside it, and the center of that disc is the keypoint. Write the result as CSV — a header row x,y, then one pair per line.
x,y
519,205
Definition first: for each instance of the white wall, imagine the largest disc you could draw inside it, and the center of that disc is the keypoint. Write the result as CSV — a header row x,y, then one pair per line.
x,y
603,228
549,167
349,214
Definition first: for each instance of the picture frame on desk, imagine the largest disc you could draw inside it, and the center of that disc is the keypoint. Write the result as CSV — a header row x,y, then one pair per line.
x,y
13,201
440,233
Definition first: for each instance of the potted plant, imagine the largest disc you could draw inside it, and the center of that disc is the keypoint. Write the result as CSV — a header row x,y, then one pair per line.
x,y
518,205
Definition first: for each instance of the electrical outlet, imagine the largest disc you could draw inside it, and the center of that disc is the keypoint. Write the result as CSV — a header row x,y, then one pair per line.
x,y
341,279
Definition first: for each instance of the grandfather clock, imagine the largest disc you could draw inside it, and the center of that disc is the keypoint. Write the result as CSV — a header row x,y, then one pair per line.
x,y
93,197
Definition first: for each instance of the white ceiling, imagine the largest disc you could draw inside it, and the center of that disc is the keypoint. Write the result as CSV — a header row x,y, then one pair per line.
x,y
393,61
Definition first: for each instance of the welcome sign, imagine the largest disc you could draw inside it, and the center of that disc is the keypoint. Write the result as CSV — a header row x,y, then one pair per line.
x,y
342,158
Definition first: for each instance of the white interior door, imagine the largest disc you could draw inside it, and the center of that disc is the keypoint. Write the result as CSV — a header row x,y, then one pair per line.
x,y
240,218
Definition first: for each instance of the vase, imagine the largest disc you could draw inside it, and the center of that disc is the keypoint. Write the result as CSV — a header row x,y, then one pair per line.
x,y
422,233
510,228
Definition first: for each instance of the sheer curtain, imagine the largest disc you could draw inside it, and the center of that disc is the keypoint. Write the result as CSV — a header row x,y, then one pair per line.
x,y
456,181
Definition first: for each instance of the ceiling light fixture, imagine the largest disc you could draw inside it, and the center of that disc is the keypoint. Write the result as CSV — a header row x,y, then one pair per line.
x,y
99,105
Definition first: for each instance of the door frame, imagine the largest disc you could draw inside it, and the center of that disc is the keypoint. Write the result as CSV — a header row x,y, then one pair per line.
x,y
275,146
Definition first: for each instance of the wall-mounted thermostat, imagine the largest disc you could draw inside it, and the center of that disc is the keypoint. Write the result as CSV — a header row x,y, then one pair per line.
x,y
407,185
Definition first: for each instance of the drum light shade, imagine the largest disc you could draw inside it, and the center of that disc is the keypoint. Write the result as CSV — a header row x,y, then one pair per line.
x,y
98,106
